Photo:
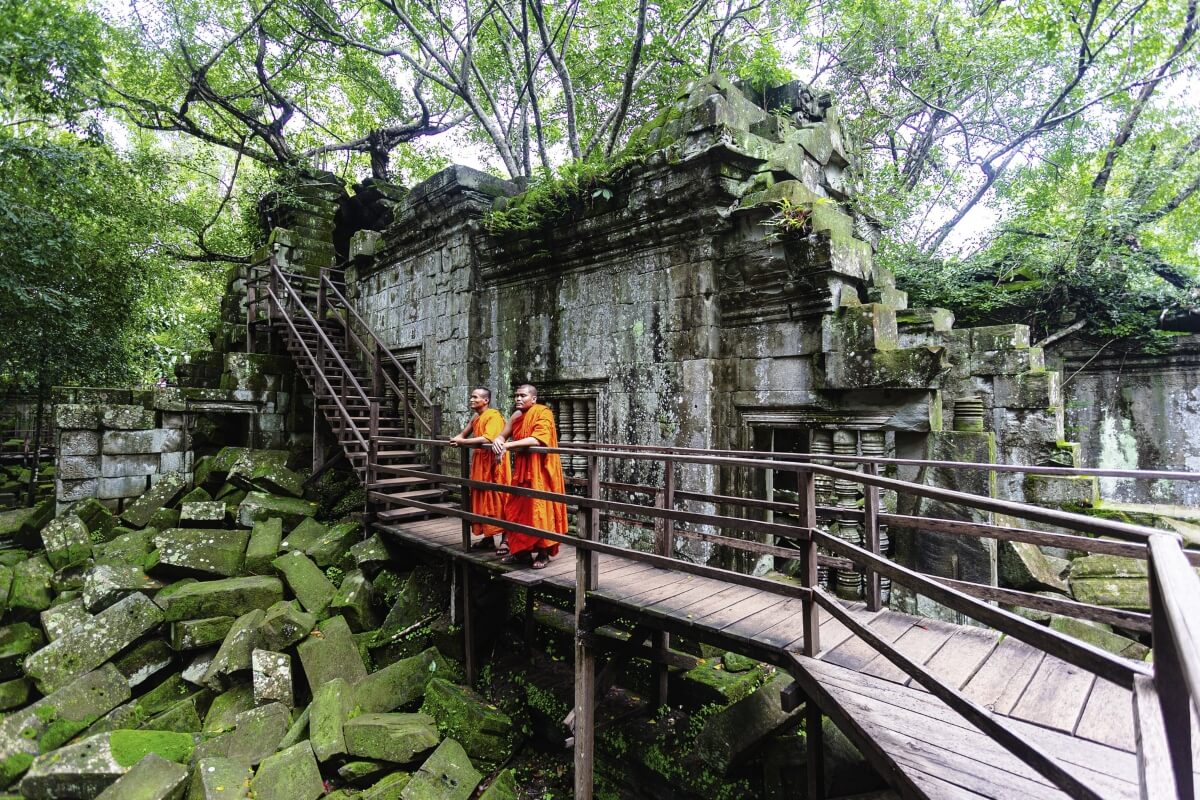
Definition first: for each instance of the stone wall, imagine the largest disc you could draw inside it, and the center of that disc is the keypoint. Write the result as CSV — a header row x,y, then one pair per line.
x,y
670,296
1131,410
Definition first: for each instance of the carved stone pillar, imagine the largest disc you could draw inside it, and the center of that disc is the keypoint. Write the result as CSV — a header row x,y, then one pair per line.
x,y
874,444
822,444
848,583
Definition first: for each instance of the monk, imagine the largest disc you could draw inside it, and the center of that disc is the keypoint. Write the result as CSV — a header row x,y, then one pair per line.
x,y
532,425
483,428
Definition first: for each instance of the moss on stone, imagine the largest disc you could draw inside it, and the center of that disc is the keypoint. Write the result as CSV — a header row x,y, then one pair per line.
x,y
130,747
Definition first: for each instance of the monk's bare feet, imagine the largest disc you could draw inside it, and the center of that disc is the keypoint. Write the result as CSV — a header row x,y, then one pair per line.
x,y
540,560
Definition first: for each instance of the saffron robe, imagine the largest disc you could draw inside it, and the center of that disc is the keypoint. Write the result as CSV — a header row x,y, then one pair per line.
x,y
485,467
541,471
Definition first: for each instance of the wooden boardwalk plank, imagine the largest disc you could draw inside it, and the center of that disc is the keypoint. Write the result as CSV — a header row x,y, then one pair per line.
x,y
1108,716
963,653
855,654
1055,695
999,682
918,643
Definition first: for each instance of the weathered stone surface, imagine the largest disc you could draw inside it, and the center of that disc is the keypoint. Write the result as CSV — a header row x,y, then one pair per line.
x,y
328,712
502,787
16,642
263,547
304,535
290,774
370,554
1110,581
1061,490
709,683
306,580
22,525
76,415
52,721
79,443
163,493
31,584
202,514
223,713
259,506
130,549
164,518
127,417
106,584
86,768
485,732
398,738
255,736
235,651
229,597
355,600
330,549
95,515
446,775
1025,566
330,653
152,778
194,634
733,730
219,779
271,674
156,701
215,552
283,625
1099,635
67,542
144,660
420,591
88,646
14,693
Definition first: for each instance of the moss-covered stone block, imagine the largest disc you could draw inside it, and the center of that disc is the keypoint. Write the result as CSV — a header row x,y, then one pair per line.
x,y
398,738
1025,566
1061,490
220,779
230,597
234,654
130,549
502,787
355,600
16,642
1111,581
446,775
711,683
88,646
263,547
106,584
166,491
67,541
202,514
306,580
225,708
1099,635
21,526
259,506
328,712
332,547
203,550
284,624
195,634
255,735
152,778
330,652
307,533
401,683
14,693
290,774
485,732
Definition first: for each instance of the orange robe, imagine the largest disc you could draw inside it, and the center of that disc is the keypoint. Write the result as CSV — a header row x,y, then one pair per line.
x,y
542,471
485,467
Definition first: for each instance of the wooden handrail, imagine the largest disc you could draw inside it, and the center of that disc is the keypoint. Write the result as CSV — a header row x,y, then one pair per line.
x,y
383,347
346,371
320,372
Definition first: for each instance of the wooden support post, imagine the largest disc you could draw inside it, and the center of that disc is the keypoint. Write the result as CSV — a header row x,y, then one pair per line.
x,y
468,624
465,454
435,453
871,590
814,746
664,545
586,565
322,300
376,368
372,459
1169,680
807,512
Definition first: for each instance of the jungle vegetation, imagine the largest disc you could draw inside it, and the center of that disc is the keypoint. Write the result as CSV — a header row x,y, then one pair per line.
x,y
1035,161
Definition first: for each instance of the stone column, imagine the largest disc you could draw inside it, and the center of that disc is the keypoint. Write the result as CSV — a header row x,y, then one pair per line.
x,y
845,443
822,443
874,445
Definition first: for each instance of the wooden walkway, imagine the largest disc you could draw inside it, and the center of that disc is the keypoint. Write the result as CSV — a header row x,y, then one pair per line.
x,y
919,744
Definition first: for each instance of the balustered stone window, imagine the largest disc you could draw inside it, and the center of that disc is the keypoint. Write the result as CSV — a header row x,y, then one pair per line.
x,y
575,416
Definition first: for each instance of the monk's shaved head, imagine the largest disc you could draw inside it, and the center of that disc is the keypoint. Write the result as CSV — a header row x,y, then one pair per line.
x,y
529,387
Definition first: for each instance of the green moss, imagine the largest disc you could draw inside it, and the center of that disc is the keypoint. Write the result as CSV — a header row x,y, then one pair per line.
x,y
13,767
61,731
130,747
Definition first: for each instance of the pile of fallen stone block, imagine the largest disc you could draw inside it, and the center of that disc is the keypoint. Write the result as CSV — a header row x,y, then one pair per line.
x,y
216,641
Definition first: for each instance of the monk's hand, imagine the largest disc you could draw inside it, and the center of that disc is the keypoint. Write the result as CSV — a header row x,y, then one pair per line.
x,y
498,445
455,441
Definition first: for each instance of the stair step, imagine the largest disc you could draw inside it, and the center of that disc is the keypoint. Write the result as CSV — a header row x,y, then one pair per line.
x,y
400,514
399,498
392,483
391,454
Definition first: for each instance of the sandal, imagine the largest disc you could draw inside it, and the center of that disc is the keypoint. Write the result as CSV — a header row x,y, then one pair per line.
x,y
540,562
502,548
509,559
483,543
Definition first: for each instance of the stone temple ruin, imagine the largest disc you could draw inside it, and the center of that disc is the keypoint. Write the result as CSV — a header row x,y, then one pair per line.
x,y
713,290
716,289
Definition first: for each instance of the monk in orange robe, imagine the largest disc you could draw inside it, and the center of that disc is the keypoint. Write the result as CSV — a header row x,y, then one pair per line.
x,y
533,426
484,427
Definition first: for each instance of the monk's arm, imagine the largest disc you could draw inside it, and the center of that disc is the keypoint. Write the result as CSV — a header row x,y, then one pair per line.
x,y
461,438
498,442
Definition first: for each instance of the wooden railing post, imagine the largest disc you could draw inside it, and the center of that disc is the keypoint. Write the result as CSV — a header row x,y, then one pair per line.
x,y
435,455
1170,680
466,454
807,513
871,589
586,579
664,545
322,300
371,461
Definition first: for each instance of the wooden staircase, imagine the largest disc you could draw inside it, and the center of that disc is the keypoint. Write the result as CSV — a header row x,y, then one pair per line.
x,y
360,388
